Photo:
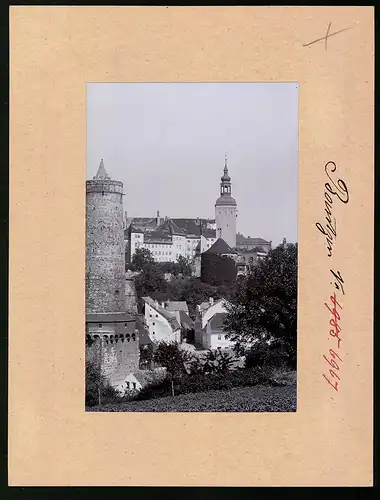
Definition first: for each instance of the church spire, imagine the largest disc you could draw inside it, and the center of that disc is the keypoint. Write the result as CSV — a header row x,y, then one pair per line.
x,y
225,178
101,174
225,164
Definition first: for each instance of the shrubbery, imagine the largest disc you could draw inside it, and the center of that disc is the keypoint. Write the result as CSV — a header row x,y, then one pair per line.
x,y
194,383
98,387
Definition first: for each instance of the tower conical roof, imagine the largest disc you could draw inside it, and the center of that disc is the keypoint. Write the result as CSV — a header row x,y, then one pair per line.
x,y
101,173
220,247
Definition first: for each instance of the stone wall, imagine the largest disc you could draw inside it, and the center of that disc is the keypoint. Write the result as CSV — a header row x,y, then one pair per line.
x,y
115,358
130,296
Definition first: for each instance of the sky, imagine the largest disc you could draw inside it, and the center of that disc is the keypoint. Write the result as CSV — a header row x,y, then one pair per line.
x,y
167,141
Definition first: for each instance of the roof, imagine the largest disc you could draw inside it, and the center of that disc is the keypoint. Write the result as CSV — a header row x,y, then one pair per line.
x,y
143,223
217,321
220,247
242,240
110,318
101,173
144,338
196,227
142,376
186,321
172,305
170,227
205,305
133,229
164,233
165,314
225,199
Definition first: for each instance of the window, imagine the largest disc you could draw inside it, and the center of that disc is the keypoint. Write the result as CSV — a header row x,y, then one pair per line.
x,y
219,337
156,315
153,323
128,385
134,385
100,325
150,315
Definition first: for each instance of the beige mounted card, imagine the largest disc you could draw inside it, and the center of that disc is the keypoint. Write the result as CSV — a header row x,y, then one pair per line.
x,y
55,51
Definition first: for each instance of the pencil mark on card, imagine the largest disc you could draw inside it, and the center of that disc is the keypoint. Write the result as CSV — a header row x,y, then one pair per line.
x,y
327,35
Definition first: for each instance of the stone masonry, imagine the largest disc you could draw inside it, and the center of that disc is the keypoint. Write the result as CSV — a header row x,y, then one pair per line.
x,y
111,337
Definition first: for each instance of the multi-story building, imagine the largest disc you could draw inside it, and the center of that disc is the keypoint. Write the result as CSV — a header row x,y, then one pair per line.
x,y
171,239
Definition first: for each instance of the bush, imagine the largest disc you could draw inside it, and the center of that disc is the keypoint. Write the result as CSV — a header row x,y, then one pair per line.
x,y
95,383
264,354
187,384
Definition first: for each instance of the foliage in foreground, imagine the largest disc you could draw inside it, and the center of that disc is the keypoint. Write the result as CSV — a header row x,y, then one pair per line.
x,y
97,386
196,383
264,307
243,399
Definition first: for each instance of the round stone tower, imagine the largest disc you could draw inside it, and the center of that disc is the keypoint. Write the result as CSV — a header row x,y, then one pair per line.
x,y
105,252
225,211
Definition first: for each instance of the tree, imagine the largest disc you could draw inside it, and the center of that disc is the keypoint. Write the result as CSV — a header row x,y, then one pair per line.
x,y
141,259
98,388
183,266
151,283
264,307
146,356
169,355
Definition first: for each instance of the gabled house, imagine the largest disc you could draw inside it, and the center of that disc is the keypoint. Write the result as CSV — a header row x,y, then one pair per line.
x,y
161,324
207,329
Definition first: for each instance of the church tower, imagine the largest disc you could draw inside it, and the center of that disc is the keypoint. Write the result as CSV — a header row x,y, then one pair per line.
x,y
225,210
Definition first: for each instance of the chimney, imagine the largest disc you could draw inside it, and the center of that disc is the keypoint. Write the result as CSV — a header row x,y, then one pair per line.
x,y
284,241
158,219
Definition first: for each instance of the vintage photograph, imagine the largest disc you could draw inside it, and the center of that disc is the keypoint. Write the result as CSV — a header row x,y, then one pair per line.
x,y
191,247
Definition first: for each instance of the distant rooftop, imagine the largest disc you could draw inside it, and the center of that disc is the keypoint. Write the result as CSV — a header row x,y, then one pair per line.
x,y
220,247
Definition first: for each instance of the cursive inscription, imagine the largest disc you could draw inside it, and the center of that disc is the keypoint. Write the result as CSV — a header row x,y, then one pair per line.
x,y
335,309
335,189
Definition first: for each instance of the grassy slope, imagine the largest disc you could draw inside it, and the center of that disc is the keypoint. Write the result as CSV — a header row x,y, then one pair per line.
x,y
244,399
